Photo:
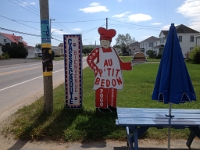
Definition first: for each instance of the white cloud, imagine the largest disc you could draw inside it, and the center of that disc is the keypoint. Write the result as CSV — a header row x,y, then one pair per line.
x,y
25,4
156,23
119,0
139,17
93,8
32,3
121,15
191,10
166,27
76,29
133,17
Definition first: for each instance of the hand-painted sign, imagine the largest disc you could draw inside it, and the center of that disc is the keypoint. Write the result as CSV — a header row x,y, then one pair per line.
x,y
45,31
107,67
73,70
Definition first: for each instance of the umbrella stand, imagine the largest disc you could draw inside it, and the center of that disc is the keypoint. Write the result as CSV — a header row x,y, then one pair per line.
x,y
169,131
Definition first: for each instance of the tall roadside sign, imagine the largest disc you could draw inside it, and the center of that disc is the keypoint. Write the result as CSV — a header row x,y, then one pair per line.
x,y
73,70
47,56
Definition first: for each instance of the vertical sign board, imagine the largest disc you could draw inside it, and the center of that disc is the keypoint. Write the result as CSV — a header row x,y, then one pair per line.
x,y
46,48
73,70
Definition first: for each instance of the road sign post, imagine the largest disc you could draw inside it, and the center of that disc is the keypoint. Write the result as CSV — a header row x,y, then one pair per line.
x,y
47,62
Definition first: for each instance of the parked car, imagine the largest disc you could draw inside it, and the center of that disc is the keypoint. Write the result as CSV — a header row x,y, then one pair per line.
x,y
125,54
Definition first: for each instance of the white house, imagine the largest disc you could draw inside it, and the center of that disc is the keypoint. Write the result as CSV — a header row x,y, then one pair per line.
x,y
134,47
149,44
186,38
8,38
58,51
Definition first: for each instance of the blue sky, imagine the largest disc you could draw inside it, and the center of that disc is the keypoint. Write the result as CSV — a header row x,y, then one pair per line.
x,y
140,18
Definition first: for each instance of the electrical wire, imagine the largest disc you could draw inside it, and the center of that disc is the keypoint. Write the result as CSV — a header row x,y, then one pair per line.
x,y
18,22
19,32
23,7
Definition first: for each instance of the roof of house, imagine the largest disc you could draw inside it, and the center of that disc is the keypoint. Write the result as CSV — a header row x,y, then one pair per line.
x,y
135,44
180,29
150,39
14,38
60,45
184,29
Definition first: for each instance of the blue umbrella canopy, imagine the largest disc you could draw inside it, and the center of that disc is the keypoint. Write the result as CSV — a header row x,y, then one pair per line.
x,y
173,83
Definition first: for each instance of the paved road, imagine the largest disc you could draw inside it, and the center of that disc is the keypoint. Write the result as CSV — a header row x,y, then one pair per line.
x,y
21,83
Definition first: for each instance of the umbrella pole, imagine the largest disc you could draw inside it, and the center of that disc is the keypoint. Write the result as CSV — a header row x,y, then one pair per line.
x,y
170,109
169,131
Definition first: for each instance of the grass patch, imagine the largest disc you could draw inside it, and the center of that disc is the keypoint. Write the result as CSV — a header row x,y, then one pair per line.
x,y
86,124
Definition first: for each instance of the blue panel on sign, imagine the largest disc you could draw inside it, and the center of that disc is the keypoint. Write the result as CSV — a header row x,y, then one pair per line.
x,y
45,31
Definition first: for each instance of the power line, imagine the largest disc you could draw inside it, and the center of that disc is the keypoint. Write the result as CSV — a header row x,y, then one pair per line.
x,y
131,24
23,7
81,21
19,32
18,22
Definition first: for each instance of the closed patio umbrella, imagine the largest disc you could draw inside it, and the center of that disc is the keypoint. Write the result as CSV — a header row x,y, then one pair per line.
x,y
173,84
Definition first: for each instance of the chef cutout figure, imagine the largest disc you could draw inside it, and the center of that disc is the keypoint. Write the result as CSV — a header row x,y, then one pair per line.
x,y
107,67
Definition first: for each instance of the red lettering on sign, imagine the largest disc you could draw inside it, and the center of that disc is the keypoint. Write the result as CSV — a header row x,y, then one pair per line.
x,y
101,97
107,83
108,62
105,63
117,71
100,72
119,80
97,81
102,82
113,82
108,71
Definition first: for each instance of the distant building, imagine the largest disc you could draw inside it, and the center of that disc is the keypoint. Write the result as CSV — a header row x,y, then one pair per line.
x,y
186,38
134,47
148,44
8,38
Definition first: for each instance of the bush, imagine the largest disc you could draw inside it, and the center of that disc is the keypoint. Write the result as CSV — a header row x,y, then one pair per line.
x,y
194,55
159,56
151,53
15,50
5,56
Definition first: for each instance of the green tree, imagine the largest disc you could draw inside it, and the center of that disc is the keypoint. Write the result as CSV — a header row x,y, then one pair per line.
x,y
38,46
123,41
87,50
194,55
15,50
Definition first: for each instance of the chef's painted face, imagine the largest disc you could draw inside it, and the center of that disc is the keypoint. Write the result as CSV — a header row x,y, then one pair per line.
x,y
105,43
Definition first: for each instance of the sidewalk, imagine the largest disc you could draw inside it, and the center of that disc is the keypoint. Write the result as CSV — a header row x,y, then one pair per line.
x,y
10,144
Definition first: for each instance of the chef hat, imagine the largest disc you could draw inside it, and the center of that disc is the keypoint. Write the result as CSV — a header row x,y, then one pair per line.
x,y
106,34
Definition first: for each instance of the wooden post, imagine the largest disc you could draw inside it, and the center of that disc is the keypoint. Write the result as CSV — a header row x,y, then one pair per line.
x,y
106,23
46,56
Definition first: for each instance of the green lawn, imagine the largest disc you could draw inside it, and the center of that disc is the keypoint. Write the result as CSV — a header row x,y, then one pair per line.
x,y
86,124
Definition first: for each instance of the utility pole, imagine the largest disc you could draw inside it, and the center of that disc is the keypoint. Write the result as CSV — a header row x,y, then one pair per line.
x,y
46,56
106,23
